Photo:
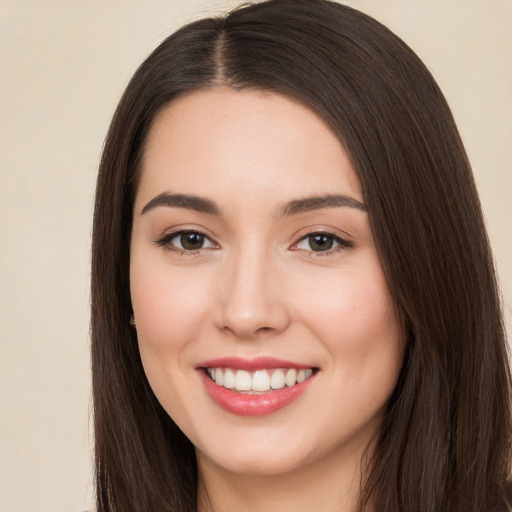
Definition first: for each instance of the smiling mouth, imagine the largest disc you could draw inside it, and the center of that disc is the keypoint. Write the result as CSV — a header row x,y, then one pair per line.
x,y
259,381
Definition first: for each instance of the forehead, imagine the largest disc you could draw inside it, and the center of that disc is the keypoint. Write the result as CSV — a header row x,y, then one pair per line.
x,y
249,141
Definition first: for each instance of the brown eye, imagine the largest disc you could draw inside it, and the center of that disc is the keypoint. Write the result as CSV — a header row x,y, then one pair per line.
x,y
320,242
191,241
186,241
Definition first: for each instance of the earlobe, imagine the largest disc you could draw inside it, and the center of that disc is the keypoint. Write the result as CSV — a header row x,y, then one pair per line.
x,y
132,320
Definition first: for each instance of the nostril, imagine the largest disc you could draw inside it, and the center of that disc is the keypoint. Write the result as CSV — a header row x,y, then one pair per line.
x,y
247,329
264,329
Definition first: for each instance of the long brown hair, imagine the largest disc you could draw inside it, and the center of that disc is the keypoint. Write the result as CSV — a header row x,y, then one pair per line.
x,y
445,442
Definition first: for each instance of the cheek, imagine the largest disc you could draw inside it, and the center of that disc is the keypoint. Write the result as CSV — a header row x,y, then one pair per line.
x,y
169,306
355,320
354,306
170,310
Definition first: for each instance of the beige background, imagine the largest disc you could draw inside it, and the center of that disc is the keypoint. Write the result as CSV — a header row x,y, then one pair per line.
x,y
63,66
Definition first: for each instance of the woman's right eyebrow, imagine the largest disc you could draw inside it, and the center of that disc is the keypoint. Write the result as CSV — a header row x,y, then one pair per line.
x,y
189,202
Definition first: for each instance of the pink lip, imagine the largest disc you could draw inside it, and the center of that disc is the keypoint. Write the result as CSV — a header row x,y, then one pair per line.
x,y
250,365
252,405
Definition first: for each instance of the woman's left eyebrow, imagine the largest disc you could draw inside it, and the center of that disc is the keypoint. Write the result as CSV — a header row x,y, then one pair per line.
x,y
308,204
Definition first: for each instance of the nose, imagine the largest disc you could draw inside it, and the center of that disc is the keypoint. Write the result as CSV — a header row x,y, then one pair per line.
x,y
252,300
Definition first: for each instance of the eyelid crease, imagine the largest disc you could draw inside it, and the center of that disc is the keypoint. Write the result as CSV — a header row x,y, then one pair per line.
x,y
319,229
166,239
343,243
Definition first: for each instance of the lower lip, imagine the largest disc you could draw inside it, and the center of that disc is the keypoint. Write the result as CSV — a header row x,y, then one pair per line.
x,y
243,404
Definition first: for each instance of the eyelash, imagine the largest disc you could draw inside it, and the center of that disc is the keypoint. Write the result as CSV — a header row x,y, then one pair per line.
x,y
166,243
342,244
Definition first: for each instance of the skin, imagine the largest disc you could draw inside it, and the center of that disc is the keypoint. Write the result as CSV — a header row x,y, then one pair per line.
x,y
256,288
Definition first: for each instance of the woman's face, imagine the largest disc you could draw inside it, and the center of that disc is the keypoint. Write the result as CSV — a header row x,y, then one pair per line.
x,y
265,324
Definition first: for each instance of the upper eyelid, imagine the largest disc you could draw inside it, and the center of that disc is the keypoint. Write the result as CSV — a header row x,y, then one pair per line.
x,y
167,237
343,242
165,242
319,232
306,232
172,232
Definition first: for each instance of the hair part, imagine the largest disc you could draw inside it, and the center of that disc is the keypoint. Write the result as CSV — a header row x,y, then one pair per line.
x,y
445,442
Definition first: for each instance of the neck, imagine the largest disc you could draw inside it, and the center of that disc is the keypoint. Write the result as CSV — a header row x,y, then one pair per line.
x,y
326,485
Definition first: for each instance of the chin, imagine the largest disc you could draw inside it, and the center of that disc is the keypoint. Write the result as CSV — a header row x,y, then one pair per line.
x,y
254,464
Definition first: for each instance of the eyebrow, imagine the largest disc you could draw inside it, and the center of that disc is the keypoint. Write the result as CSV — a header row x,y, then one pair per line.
x,y
317,202
294,207
189,202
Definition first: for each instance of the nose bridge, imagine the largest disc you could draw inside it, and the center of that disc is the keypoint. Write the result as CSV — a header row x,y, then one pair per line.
x,y
251,300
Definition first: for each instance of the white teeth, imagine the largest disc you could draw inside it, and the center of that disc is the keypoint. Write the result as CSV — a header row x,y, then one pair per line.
x,y
243,381
291,377
277,380
229,379
260,380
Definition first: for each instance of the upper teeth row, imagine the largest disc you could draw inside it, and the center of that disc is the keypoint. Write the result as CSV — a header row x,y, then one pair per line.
x,y
260,380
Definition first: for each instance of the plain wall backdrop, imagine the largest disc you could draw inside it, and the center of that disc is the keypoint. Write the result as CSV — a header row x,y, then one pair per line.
x,y
63,67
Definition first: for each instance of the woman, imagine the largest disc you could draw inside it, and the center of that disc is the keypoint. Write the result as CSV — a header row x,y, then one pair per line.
x,y
293,298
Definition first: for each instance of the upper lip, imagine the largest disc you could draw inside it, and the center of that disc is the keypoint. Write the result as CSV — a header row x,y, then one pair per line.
x,y
252,364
